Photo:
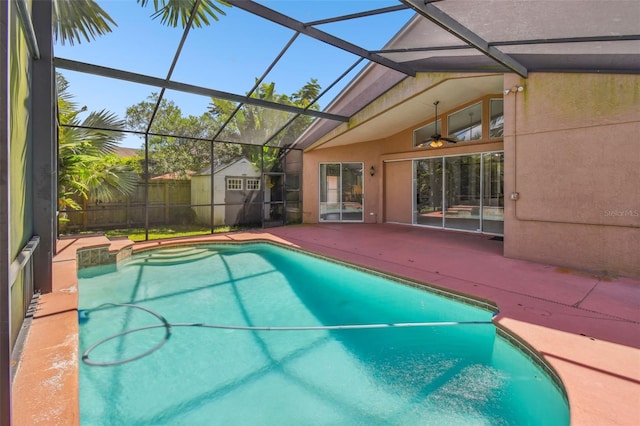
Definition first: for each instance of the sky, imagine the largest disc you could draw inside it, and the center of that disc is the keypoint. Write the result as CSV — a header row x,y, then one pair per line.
x,y
228,55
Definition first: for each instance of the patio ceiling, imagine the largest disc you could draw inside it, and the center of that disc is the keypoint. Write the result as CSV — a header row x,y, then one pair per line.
x,y
316,39
412,110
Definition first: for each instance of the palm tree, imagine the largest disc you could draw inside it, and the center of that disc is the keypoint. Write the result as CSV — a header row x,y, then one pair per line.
x,y
74,19
86,161
253,124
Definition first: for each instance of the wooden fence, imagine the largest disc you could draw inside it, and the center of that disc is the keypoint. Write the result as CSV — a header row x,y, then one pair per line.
x,y
168,200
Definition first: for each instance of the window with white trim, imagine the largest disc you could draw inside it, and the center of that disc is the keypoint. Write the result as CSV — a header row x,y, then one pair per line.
x,y
253,184
234,184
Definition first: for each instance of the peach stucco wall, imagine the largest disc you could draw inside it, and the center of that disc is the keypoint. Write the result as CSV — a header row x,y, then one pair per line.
x,y
369,153
572,153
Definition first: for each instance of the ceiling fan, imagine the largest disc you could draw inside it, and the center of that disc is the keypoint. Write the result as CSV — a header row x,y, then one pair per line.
x,y
436,140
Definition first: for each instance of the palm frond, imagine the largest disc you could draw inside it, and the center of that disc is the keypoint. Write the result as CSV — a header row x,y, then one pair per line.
x,y
86,166
77,19
174,12
111,183
106,133
66,106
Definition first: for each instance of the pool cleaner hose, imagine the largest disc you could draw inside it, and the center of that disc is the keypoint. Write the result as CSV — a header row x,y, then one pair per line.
x,y
84,316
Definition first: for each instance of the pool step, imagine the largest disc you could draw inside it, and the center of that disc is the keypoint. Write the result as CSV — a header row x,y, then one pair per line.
x,y
175,252
172,256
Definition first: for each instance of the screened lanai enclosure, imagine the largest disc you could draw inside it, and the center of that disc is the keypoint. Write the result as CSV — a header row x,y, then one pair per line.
x,y
208,148
255,187
207,98
211,114
151,119
192,96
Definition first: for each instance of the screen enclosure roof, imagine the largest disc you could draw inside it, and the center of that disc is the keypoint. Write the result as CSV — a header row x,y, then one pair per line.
x,y
256,58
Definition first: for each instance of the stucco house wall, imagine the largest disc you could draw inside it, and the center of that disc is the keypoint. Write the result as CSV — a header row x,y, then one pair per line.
x,y
572,153
369,153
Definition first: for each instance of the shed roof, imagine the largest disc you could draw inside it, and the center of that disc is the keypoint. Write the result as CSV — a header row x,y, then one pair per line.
x,y
218,168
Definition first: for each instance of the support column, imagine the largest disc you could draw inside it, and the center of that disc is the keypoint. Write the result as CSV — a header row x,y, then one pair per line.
x,y
44,147
5,290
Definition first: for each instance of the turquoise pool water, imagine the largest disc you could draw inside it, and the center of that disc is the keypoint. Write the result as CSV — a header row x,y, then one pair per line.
x,y
453,375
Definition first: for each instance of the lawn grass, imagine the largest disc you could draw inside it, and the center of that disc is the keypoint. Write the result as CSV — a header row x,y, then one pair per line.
x,y
138,234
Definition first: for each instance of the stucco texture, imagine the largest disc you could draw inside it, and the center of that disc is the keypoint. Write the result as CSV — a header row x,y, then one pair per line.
x,y
572,154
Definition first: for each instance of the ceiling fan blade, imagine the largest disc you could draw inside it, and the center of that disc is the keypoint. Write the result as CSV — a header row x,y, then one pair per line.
x,y
449,140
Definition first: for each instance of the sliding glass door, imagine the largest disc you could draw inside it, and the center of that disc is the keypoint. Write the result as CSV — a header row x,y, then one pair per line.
x,y
341,192
429,173
493,193
460,192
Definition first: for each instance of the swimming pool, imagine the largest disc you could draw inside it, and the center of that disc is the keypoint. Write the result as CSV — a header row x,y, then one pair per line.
x,y
398,375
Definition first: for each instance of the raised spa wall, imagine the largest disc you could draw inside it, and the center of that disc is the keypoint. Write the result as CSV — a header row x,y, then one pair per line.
x,y
104,255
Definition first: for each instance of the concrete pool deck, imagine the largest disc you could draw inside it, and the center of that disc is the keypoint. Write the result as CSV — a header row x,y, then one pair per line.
x,y
585,325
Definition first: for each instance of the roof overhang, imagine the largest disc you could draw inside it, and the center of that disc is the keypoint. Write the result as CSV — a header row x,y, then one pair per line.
x,y
380,119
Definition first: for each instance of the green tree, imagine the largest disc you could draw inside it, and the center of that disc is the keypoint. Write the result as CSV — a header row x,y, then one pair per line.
x,y
255,125
86,161
77,19
188,149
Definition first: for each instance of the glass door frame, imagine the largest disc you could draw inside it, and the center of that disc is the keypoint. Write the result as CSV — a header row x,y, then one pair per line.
x,y
414,191
340,192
